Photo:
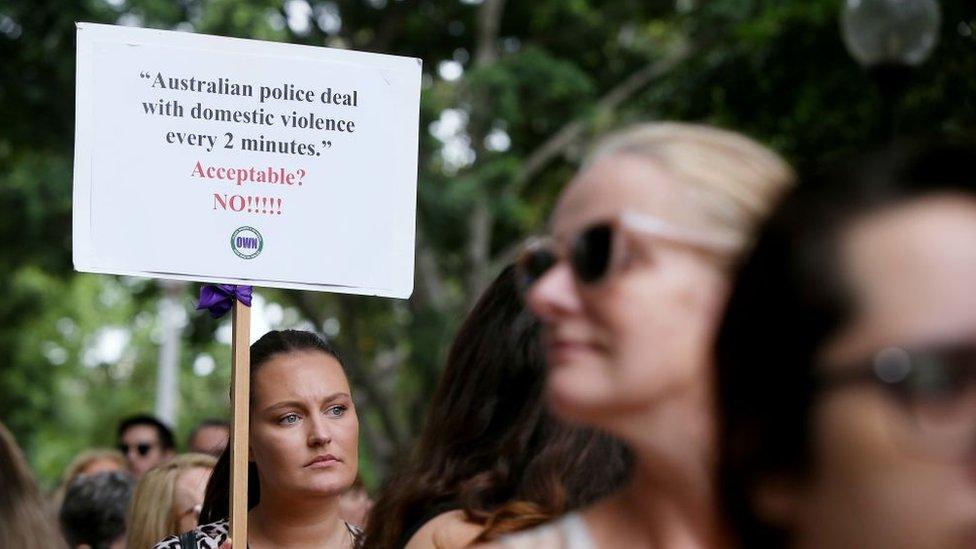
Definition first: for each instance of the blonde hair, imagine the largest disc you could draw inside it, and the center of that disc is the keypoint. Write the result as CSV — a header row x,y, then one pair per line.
x,y
79,464
733,180
151,515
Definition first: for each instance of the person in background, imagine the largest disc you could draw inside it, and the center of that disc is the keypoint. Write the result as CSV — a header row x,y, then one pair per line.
x,y
89,462
355,503
629,290
304,451
96,460
24,520
490,458
210,436
846,362
145,442
93,513
168,500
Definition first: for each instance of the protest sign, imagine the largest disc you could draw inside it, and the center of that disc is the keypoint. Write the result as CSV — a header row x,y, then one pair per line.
x,y
243,162
238,161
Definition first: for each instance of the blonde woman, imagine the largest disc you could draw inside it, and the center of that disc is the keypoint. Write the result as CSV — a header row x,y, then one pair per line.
x,y
629,290
89,462
168,499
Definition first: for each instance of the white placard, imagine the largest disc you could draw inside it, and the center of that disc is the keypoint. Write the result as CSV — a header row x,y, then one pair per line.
x,y
246,162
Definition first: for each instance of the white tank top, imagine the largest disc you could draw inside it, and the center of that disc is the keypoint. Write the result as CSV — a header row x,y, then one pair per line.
x,y
567,532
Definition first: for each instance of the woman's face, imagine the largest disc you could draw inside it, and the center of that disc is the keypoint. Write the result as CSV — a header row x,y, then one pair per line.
x,y
615,347
888,471
188,493
304,429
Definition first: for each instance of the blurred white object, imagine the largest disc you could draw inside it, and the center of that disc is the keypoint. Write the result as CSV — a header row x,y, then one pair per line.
x,y
880,32
173,320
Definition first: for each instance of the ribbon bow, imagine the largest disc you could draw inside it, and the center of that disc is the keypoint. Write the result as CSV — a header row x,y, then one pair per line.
x,y
219,298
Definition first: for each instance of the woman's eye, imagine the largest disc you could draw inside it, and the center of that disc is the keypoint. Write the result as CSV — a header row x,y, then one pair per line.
x,y
336,411
289,419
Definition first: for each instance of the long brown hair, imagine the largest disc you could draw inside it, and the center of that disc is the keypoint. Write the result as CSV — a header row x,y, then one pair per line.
x,y
489,446
24,520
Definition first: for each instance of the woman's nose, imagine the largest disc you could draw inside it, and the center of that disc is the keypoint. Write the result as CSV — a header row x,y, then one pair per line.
x,y
554,294
319,433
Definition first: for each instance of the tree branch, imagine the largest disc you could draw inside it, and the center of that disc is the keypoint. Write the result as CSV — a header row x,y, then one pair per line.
x,y
481,221
432,290
571,132
388,30
489,20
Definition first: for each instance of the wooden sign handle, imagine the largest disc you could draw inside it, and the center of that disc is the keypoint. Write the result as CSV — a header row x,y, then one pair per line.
x,y
240,399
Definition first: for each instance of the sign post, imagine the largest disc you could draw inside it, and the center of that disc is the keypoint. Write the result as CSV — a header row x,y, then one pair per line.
x,y
240,396
244,163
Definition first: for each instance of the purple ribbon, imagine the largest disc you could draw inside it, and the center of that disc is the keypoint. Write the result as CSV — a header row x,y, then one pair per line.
x,y
219,298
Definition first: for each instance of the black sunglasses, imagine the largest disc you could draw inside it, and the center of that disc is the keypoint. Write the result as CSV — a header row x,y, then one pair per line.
x,y
593,251
935,388
141,448
589,256
913,374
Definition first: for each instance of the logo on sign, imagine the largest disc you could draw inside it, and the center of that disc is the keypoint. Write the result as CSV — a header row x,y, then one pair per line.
x,y
246,242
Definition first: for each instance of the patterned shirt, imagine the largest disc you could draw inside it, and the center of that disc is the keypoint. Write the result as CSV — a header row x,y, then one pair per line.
x,y
210,536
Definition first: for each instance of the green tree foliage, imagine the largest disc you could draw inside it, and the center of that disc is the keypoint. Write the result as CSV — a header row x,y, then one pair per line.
x,y
513,93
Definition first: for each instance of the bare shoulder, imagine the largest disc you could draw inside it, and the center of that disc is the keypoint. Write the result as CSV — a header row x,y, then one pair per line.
x,y
445,531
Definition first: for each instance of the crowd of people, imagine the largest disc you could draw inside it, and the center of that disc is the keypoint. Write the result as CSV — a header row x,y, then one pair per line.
x,y
707,350
131,496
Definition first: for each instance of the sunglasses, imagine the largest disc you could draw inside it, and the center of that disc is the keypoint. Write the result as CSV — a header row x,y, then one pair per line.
x,y
935,387
594,251
141,448
933,373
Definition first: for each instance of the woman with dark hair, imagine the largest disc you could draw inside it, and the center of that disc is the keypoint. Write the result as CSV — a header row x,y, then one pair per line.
x,y
24,519
846,362
93,515
304,448
490,458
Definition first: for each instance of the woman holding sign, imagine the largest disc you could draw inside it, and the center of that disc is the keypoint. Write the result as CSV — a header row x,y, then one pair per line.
x,y
304,448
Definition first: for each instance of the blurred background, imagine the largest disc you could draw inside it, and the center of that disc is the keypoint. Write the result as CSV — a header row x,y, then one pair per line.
x,y
513,91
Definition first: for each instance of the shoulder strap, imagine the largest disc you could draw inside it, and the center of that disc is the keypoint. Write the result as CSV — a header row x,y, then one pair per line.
x,y
188,540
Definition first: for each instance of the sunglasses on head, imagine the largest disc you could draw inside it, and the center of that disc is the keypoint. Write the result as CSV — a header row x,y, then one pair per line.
x,y
141,448
593,251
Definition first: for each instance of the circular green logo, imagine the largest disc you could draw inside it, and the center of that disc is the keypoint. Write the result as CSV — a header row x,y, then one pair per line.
x,y
246,242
